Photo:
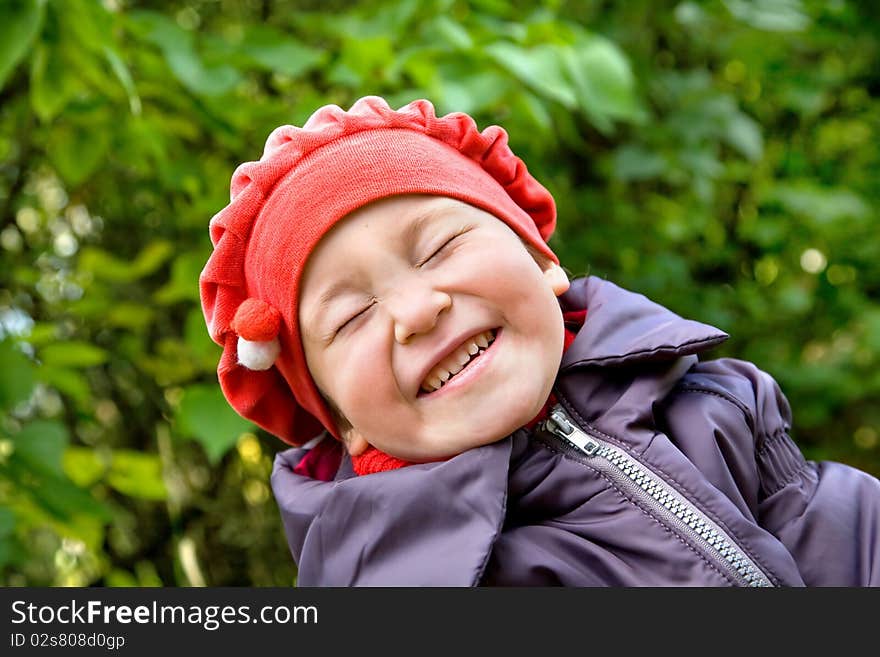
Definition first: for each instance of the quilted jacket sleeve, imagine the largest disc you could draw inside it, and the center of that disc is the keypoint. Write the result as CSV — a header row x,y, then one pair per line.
x,y
734,423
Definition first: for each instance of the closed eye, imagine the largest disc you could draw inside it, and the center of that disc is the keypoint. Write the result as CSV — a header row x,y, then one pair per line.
x,y
354,317
443,246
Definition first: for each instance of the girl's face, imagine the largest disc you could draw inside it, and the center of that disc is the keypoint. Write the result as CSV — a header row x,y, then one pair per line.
x,y
398,294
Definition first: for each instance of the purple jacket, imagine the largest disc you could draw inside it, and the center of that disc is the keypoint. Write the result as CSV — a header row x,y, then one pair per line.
x,y
655,469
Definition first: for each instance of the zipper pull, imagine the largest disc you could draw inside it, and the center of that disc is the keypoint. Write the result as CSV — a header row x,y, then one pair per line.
x,y
559,425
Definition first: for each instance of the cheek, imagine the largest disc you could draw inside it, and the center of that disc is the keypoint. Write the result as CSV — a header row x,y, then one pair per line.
x,y
505,271
531,305
519,284
359,377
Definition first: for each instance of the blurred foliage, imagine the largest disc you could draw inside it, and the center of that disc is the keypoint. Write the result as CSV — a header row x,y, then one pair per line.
x,y
721,157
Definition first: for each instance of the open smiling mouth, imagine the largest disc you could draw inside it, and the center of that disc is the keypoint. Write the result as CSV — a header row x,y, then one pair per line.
x,y
457,362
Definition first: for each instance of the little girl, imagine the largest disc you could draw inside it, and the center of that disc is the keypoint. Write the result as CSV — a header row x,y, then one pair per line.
x,y
385,297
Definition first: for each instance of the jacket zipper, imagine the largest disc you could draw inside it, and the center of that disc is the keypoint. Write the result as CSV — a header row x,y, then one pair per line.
x,y
640,483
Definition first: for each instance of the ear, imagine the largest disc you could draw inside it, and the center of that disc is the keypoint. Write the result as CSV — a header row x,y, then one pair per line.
x,y
556,278
355,443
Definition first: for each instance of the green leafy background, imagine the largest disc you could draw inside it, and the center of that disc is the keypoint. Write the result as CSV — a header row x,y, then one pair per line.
x,y
721,157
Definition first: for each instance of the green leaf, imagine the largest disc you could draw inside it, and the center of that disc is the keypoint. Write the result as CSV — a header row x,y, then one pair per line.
x,y
83,465
604,82
540,67
69,382
131,316
72,354
770,15
137,475
17,380
105,266
204,414
42,333
463,90
7,537
871,321
453,33
180,53
20,22
824,204
197,338
702,162
744,134
151,257
89,22
534,111
58,496
202,81
184,283
633,162
279,52
805,99
132,473
794,299
41,445
363,61
11,551
53,81
77,151
124,75
108,267
119,578
7,523
147,574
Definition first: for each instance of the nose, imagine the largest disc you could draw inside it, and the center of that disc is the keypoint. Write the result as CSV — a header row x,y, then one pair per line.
x,y
415,307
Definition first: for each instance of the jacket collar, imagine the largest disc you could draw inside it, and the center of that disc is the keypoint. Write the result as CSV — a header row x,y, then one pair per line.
x,y
624,327
430,524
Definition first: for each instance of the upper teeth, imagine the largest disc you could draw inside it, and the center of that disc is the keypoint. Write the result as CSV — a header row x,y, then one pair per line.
x,y
456,361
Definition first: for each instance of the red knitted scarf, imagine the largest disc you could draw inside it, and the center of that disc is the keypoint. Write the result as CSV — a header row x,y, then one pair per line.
x,y
322,461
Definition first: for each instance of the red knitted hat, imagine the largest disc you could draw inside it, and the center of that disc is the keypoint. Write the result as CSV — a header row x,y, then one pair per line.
x,y
308,179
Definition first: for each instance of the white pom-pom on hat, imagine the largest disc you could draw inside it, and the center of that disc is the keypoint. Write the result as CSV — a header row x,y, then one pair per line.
x,y
258,355
257,324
